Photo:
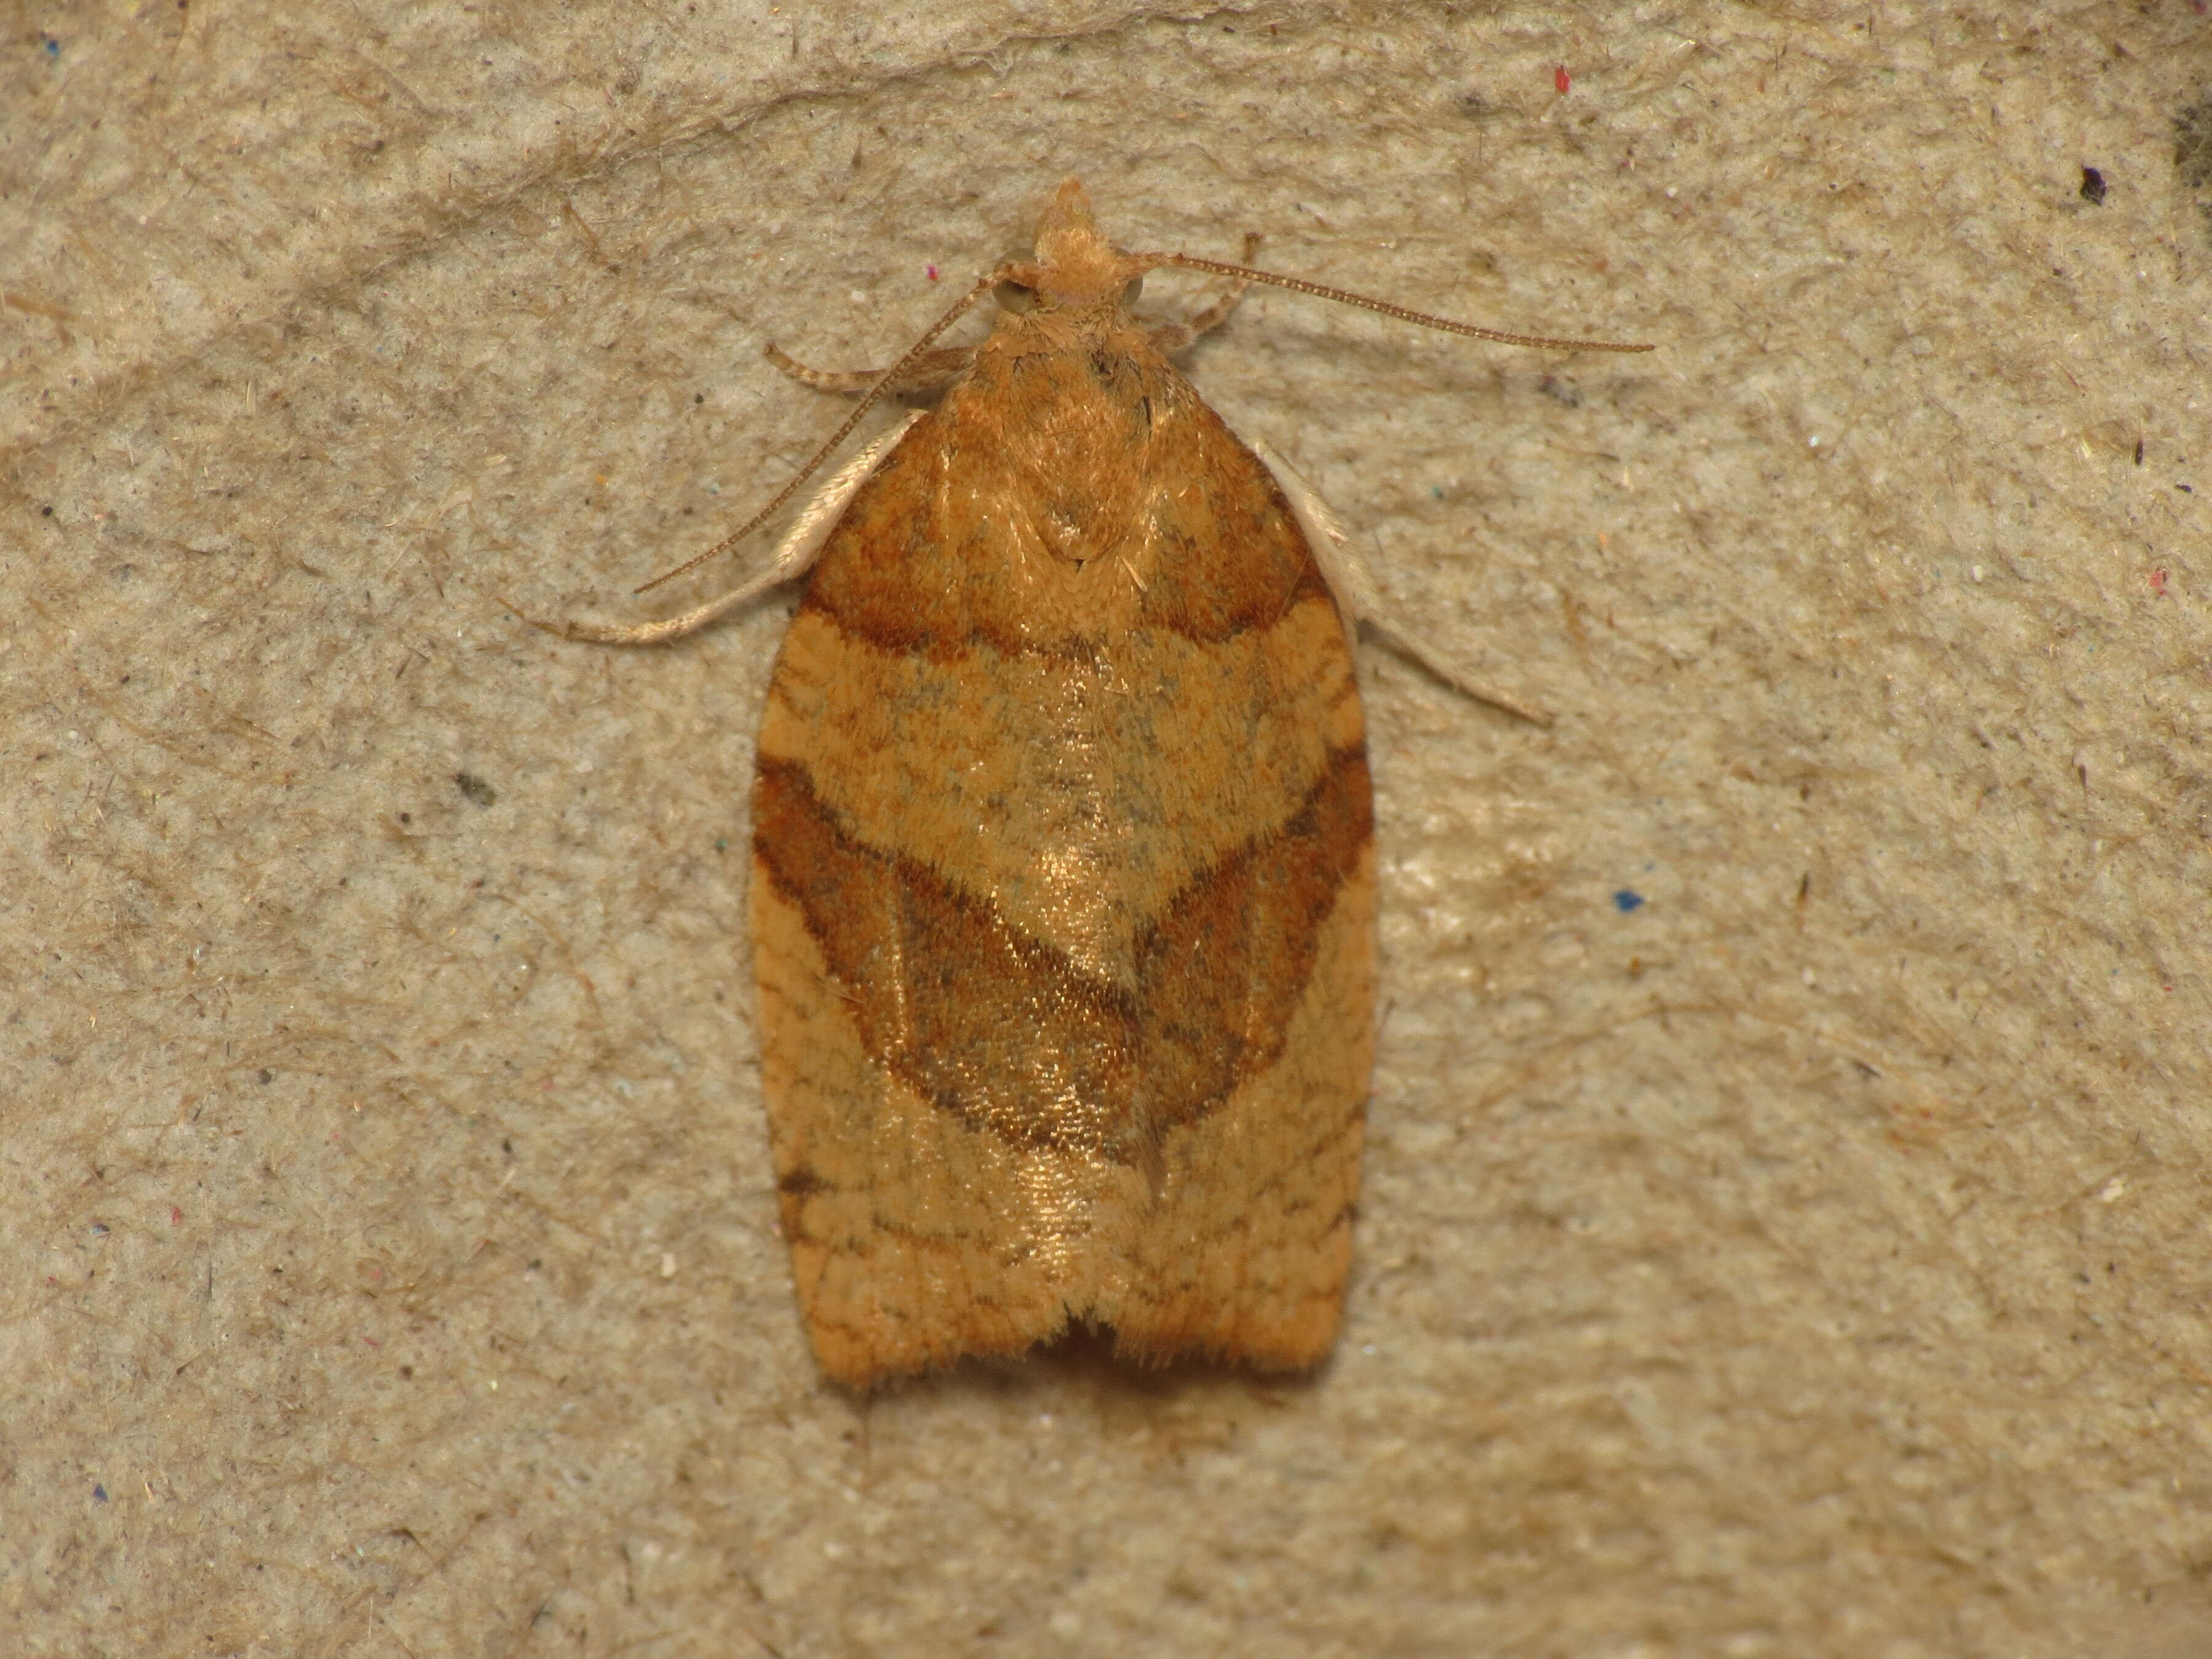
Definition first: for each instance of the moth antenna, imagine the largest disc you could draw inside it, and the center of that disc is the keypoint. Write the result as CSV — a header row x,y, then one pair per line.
x,y
868,400
1322,291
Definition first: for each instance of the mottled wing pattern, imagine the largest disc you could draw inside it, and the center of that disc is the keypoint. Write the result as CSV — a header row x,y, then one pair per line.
x,y
1063,895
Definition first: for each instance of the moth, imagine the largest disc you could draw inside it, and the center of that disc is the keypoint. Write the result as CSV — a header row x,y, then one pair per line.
x,y
1063,901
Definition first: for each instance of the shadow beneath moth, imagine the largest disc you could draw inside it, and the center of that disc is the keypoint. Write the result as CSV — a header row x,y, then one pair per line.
x,y
1063,878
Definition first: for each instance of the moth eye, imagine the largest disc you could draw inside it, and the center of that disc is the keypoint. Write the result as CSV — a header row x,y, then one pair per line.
x,y
1013,296
1129,294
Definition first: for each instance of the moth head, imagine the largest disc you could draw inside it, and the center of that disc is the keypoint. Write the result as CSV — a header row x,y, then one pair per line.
x,y
1023,288
1073,265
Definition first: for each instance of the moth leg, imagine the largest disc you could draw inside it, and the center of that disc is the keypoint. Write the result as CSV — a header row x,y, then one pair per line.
x,y
1171,337
794,557
931,371
1360,600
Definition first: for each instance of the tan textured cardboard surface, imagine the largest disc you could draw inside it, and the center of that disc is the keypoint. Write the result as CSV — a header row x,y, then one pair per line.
x,y
1810,1261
